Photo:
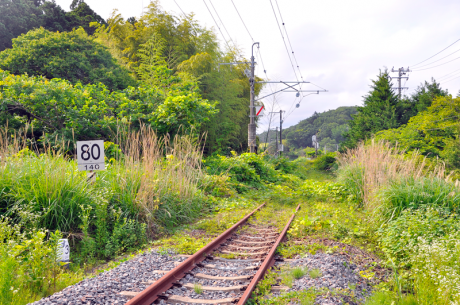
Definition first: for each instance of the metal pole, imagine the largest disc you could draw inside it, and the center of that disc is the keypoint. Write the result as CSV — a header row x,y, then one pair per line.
x,y
281,129
252,125
276,141
399,81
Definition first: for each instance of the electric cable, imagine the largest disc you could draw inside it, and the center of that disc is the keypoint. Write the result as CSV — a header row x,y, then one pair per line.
x,y
284,41
449,74
450,79
191,24
217,25
230,37
289,40
436,53
437,60
437,65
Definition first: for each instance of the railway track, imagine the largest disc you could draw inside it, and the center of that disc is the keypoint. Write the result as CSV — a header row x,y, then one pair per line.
x,y
207,278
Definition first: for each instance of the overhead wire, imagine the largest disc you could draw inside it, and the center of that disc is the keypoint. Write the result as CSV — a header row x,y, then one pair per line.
x,y
217,25
284,41
289,40
437,60
449,74
285,45
191,24
450,80
230,37
437,65
436,53
258,51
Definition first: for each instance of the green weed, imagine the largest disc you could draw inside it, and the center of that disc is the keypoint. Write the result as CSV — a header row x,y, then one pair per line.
x,y
198,288
315,273
298,272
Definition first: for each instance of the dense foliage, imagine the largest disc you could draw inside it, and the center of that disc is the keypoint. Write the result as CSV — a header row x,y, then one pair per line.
x,y
383,110
19,16
73,56
60,111
433,132
328,126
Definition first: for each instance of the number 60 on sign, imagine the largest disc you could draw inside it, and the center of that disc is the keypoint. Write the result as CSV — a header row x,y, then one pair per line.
x,y
90,155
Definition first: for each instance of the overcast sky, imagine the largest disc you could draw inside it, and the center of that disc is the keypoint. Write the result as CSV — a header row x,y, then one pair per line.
x,y
339,45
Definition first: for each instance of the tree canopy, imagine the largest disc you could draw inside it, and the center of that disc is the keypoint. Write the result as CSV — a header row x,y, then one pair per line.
x,y
328,126
74,56
20,16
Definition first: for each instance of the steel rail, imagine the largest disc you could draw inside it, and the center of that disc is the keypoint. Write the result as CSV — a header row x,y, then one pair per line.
x,y
268,262
154,291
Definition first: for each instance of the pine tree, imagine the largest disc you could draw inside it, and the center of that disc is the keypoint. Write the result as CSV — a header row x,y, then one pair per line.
x,y
378,112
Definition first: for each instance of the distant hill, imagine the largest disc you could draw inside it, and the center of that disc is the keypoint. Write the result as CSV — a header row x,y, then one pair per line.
x,y
328,127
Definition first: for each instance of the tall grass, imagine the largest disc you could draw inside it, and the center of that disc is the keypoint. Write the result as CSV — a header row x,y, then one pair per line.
x,y
152,183
167,172
369,168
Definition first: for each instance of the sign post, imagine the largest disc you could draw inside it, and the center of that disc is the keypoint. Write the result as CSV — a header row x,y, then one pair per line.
x,y
90,157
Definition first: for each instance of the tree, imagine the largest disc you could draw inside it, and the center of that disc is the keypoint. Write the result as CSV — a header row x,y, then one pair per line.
x,y
70,55
377,113
20,16
433,132
329,124
17,17
419,101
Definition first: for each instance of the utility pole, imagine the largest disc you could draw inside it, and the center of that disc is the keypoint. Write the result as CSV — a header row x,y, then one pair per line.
x,y
252,113
401,71
276,141
252,125
281,131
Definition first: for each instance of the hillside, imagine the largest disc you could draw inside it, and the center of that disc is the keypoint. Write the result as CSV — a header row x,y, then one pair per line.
x,y
328,127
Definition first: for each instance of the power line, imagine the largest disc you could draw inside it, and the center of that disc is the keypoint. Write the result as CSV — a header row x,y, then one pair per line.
x,y
437,65
451,79
437,53
284,41
258,50
242,21
438,59
289,40
230,37
217,25
191,24
453,72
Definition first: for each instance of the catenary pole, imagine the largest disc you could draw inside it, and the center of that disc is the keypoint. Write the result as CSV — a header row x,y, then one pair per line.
x,y
252,124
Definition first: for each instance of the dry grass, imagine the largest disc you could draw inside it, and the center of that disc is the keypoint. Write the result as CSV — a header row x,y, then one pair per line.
x,y
379,163
166,167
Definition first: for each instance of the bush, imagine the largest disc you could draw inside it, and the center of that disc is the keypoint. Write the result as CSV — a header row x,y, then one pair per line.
x,y
326,162
400,238
28,264
352,177
412,193
245,171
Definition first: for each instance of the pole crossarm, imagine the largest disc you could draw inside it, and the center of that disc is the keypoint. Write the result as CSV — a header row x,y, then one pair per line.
x,y
286,90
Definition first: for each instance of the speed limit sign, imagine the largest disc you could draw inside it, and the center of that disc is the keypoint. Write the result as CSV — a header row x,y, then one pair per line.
x,y
90,155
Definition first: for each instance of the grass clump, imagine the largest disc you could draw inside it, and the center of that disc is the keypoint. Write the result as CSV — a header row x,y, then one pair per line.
x,y
298,272
315,273
198,288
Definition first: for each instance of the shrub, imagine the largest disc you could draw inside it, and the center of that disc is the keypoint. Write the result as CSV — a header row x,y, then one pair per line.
x,y
400,237
411,193
436,271
326,162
